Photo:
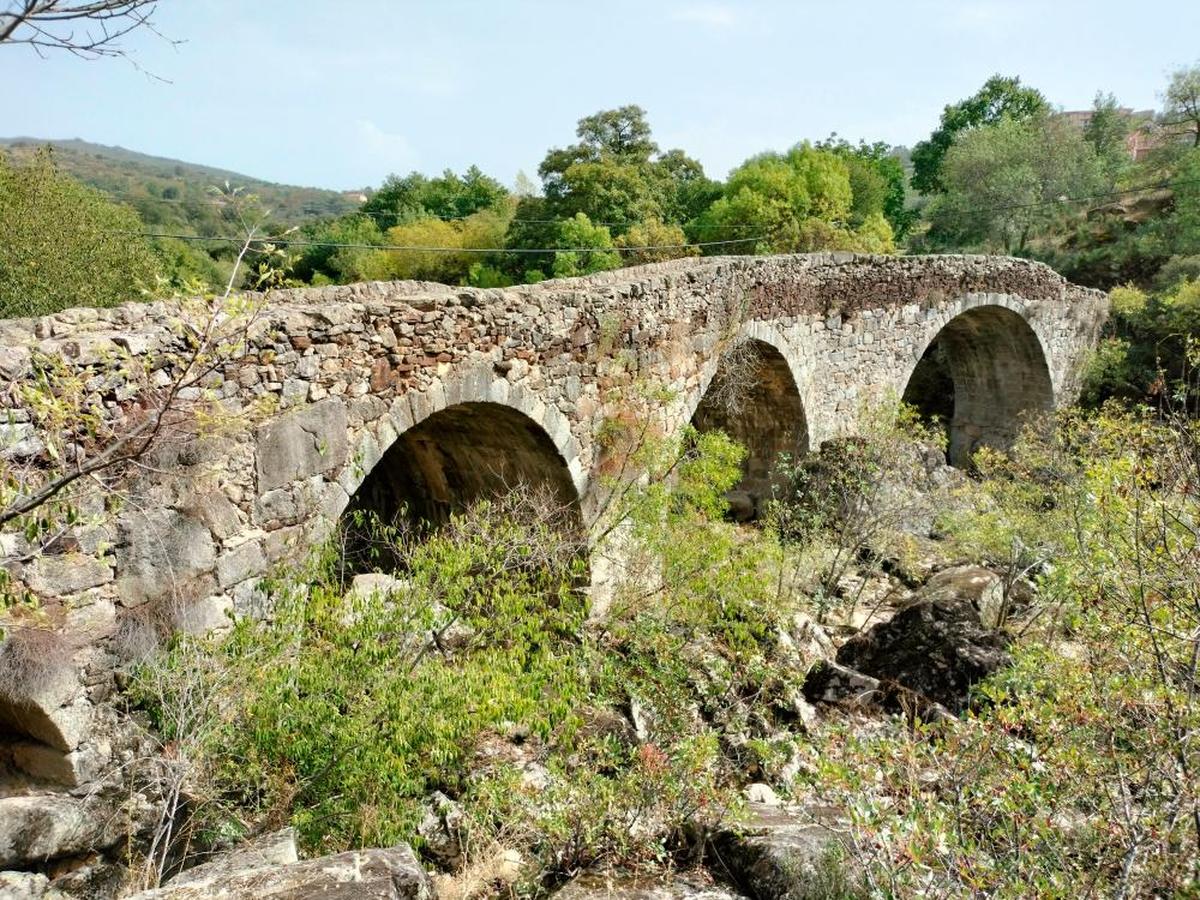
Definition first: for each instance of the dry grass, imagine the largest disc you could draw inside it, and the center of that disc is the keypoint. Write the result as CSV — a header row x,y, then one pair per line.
x,y
31,658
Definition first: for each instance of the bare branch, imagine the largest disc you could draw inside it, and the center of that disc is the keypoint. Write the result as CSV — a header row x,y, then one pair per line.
x,y
89,29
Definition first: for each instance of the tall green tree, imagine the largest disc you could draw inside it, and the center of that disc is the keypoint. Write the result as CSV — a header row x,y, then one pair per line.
x,y
340,251
867,163
616,175
1181,104
1106,131
579,232
63,244
792,202
1000,97
1004,183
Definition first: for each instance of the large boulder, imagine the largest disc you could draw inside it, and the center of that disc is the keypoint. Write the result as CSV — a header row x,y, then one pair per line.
x,y
264,852
793,852
28,886
41,694
971,584
387,874
936,647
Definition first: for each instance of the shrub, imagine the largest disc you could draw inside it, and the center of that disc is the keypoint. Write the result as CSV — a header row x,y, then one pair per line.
x,y
1076,777
63,244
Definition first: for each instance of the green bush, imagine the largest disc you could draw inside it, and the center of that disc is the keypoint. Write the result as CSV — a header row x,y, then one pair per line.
x,y
1077,775
63,244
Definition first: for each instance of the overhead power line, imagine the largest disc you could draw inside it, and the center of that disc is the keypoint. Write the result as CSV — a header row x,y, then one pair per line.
x,y
520,250
1057,201
378,215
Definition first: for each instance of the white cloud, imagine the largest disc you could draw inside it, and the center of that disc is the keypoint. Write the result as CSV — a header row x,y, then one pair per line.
x,y
710,15
378,146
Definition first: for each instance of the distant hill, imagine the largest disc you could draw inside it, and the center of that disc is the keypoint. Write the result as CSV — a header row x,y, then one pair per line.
x,y
170,194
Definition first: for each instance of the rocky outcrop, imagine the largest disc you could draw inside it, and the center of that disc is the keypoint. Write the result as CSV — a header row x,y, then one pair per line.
x,y
39,828
386,874
266,852
683,886
935,647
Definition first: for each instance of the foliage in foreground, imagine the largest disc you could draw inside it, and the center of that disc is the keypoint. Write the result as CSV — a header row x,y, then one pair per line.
x,y
1073,773
1077,777
1150,346
344,712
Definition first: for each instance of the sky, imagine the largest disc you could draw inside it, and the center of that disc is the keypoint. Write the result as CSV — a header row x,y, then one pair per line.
x,y
341,94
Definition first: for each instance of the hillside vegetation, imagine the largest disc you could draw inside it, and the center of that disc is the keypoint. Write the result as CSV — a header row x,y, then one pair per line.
x,y
170,194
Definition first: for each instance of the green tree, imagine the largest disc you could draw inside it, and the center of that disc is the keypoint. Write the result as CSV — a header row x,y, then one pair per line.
x,y
655,234
580,232
794,202
63,244
1001,183
1106,131
886,165
623,133
616,175
449,196
999,98
1181,106
458,242
1181,227
325,260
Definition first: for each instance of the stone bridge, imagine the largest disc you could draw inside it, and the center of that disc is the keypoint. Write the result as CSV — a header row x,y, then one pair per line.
x,y
426,397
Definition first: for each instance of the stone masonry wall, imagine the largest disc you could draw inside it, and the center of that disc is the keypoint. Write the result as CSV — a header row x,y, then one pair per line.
x,y
349,369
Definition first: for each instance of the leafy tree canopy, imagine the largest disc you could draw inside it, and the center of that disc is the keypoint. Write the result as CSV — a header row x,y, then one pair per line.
x,y
1000,97
617,176
798,201
63,244
1002,183
868,162
449,196
1106,131
1181,107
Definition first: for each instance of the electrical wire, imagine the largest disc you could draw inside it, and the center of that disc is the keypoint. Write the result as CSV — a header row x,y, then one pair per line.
x,y
379,215
412,249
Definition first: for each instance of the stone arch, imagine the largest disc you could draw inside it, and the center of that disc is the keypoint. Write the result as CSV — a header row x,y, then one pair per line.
x,y
753,395
453,444
466,452
982,372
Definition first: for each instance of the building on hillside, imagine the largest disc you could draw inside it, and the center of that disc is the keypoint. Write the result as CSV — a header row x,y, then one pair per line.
x,y
1144,134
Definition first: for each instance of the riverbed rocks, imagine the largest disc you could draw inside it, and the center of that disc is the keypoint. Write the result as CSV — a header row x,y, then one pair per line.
x,y
618,886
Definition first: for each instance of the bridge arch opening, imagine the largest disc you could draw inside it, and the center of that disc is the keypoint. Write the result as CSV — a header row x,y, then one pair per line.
x,y
753,398
982,376
459,456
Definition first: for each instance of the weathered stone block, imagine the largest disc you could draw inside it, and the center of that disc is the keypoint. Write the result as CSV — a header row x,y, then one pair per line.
x,y
306,442
70,573
38,828
391,874
162,550
240,563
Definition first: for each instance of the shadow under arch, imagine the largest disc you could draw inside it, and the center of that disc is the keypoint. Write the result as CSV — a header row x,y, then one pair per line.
x,y
458,456
753,398
982,374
